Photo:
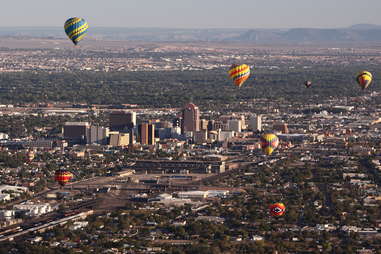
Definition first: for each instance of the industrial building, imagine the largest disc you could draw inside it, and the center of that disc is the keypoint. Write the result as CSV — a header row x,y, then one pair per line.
x,y
179,167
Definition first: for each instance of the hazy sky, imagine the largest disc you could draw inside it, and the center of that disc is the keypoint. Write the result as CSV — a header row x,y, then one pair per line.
x,y
193,13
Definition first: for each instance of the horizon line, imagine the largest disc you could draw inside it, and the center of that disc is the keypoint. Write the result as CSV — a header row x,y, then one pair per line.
x,y
197,28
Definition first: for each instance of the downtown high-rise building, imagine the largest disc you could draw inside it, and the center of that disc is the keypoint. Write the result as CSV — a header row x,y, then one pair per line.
x,y
191,118
146,134
234,125
122,121
119,139
204,124
76,132
281,127
255,123
97,135
84,133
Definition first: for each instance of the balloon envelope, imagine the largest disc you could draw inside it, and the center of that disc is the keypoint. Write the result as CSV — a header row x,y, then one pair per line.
x,y
269,142
277,209
63,177
364,79
76,29
239,73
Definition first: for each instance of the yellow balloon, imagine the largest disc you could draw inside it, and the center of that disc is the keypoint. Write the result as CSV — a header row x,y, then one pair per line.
x,y
269,142
364,79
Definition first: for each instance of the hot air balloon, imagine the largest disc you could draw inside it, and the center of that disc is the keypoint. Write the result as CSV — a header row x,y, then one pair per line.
x,y
239,73
76,29
63,176
269,142
364,79
308,84
30,156
277,209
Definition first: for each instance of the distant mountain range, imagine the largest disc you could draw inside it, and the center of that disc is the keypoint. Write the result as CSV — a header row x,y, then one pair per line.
x,y
355,34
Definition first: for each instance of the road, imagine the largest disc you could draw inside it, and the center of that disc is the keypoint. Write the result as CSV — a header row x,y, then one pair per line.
x,y
42,227
47,220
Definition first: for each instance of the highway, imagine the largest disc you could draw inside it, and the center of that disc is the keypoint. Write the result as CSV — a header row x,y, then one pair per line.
x,y
49,225
47,220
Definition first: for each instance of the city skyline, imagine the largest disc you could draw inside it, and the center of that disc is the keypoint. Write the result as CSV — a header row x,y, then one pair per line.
x,y
313,153
137,141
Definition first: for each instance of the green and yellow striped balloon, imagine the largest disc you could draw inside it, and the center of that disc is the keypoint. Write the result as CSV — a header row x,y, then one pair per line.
x,y
76,29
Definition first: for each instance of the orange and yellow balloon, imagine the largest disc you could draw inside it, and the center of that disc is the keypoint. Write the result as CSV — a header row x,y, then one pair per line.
x,y
364,79
269,142
239,74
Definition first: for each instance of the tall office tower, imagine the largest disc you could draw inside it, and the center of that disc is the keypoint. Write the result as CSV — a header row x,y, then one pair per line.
x,y
204,124
255,123
151,134
154,121
200,137
243,122
234,125
76,132
177,122
132,135
218,125
122,121
191,118
146,134
211,125
97,135
164,124
143,133
119,139
281,127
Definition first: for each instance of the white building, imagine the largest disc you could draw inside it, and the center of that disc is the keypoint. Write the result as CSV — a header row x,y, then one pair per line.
x,y
18,189
255,123
175,132
193,194
7,214
4,135
213,219
225,135
200,137
257,238
11,192
218,193
5,197
164,196
34,209
234,125
170,201
78,225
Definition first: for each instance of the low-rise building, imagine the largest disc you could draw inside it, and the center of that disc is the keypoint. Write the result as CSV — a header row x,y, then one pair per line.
x,y
176,167
34,209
